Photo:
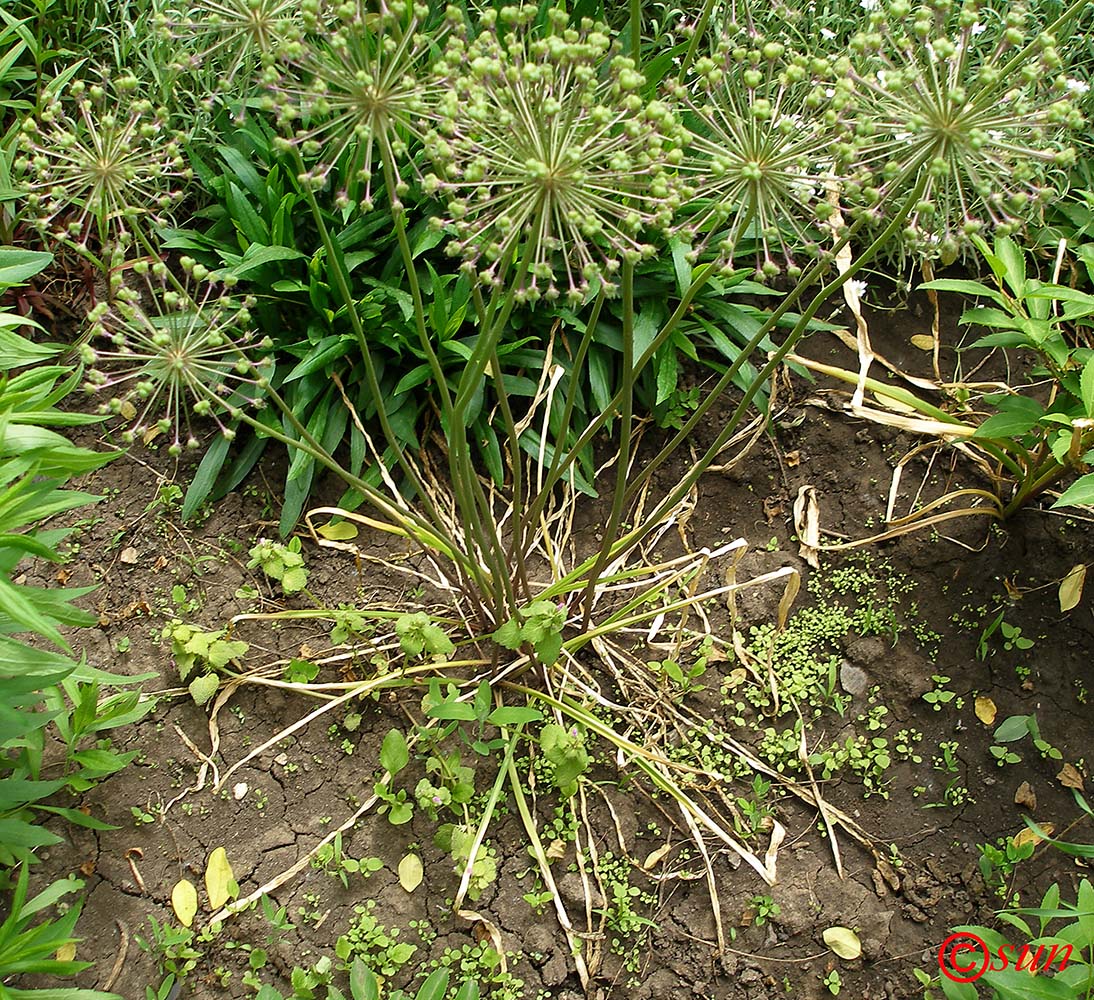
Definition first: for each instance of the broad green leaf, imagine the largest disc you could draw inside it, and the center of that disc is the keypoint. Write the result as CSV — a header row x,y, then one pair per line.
x,y
16,351
982,316
1015,984
394,755
1006,425
1086,387
469,991
16,265
363,984
435,987
680,265
203,688
513,716
184,901
218,878
964,287
1079,493
1012,728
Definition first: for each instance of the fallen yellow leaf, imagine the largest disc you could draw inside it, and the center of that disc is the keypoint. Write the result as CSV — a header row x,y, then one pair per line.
x,y
218,878
184,901
1028,836
1071,589
985,710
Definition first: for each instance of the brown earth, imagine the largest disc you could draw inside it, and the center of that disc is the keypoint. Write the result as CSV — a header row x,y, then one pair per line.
x,y
268,814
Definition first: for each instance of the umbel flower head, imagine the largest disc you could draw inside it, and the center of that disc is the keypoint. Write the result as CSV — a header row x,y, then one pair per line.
x,y
235,35
100,160
955,97
170,349
357,92
547,155
764,121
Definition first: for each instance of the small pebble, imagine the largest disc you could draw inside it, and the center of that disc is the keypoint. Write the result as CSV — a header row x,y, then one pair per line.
x,y
239,790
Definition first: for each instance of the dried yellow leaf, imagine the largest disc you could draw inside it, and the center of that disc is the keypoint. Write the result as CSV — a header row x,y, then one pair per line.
x,y
219,879
410,872
924,341
1071,589
843,941
654,857
985,710
1028,836
184,901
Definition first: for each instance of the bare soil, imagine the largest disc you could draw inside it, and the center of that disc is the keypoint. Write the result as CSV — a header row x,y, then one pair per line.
x,y
269,813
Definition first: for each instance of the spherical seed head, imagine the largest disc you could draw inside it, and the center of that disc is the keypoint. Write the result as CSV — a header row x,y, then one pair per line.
x,y
363,87
765,120
547,154
102,161
959,102
239,36
163,353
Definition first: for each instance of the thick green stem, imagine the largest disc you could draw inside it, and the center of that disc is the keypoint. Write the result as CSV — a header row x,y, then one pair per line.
x,y
623,460
636,32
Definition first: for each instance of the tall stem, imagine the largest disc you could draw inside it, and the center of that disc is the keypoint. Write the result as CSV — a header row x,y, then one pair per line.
x,y
623,461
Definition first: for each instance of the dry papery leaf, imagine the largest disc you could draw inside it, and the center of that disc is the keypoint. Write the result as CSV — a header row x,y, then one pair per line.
x,y
924,341
1071,588
1070,777
1026,797
655,857
807,525
985,710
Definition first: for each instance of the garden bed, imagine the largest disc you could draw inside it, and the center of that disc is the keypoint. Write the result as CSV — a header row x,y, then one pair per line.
x,y
916,875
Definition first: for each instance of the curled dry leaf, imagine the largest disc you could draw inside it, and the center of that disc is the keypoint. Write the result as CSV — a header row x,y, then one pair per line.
x,y
807,525
1070,777
1026,797
985,710
654,857
843,941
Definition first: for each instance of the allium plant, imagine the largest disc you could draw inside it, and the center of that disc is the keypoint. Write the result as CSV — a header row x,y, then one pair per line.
x,y
545,148
99,161
357,92
236,35
762,159
977,106
168,349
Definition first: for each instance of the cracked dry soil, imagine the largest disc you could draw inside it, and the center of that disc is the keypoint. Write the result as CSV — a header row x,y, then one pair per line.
x,y
923,879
